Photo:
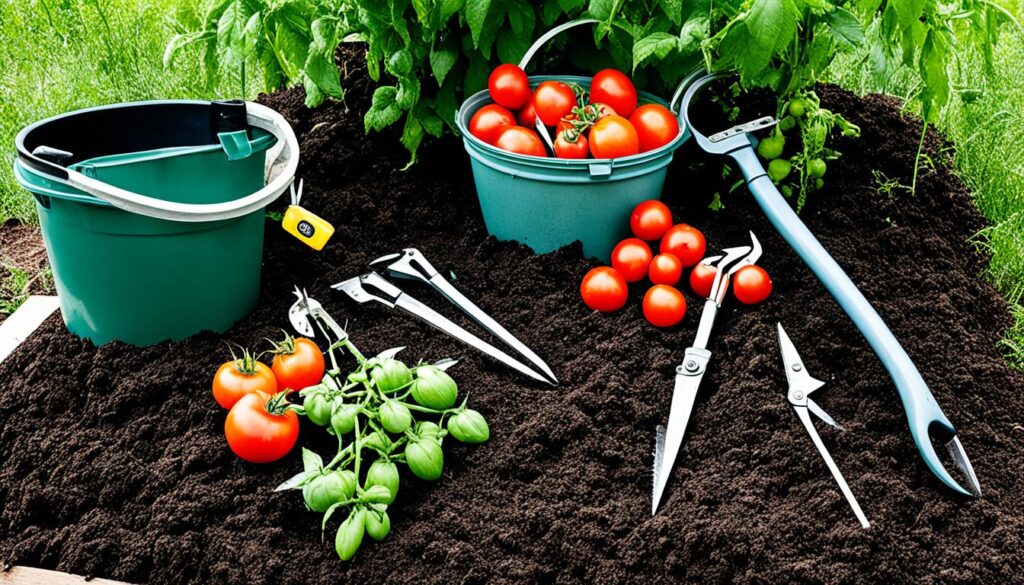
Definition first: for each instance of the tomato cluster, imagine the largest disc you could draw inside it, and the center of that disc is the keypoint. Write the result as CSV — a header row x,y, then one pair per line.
x,y
680,246
607,123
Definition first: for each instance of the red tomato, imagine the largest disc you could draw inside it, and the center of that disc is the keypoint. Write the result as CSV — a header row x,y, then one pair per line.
x,y
664,306
521,141
751,285
490,121
552,101
702,279
615,89
527,115
650,220
299,363
237,378
571,149
613,137
509,86
665,269
261,428
603,110
685,242
603,289
655,126
631,258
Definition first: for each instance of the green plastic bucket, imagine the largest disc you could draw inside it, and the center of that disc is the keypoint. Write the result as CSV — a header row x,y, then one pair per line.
x,y
152,213
547,203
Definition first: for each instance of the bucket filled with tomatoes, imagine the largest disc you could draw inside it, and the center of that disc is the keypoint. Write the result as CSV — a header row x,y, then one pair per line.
x,y
558,159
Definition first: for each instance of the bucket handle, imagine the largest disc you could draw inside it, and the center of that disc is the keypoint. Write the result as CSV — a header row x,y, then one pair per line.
x,y
257,115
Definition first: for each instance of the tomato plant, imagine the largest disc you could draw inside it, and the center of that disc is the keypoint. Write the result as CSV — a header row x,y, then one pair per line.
x,y
613,137
751,285
521,141
298,363
261,428
615,89
241,376
684,242
604,289
655,126
650,220
490,121
664,306
553,100
631,258
665,269
509,86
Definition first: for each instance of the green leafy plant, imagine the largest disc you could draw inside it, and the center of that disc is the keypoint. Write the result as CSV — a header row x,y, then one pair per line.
x,y
383,414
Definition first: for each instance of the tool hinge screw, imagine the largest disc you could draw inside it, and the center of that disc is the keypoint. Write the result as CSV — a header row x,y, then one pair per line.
x,y
797,367
798,395
691,366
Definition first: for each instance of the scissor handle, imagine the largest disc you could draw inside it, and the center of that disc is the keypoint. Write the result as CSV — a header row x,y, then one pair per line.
x,y
918,402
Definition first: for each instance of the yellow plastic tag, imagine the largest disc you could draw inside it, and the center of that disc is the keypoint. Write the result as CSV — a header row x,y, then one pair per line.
x,y
308,227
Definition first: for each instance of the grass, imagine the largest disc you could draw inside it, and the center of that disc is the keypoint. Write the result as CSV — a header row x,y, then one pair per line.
x,y
18,284
61,55
985,121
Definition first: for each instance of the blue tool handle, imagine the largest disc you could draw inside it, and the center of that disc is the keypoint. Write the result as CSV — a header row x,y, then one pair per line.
x,y
921,408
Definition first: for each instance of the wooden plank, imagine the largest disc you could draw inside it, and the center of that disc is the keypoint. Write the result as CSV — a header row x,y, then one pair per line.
x,y
30,576
29,316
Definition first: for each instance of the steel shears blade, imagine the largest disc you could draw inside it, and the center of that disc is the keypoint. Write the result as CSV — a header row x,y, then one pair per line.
x,y
412,264
801,386
695,361
374,287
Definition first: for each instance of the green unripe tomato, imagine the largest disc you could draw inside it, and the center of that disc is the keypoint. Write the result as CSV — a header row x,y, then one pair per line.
x,y
469,426
376,494
377,441
796,108
771,147
395,417
779,169
343,419
426,429
328,489
434,388
378,525
350,535
786,190
390,375
425,458
383,473
818,184
786,123
318,408
816,168
818,135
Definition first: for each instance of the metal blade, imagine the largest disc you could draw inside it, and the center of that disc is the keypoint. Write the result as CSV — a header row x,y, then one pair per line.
x,y
445,363
659,453
818,412
805,417
298,315
796,373
432,317
683,396
390,353
961,461
488,323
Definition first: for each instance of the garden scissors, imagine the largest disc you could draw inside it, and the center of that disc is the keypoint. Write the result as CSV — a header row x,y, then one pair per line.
x,y
923,414
801,385
695,362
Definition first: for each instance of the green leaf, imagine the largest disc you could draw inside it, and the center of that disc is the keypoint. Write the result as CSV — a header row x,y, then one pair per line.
x,y
311,461
522,18
567,6
177,43
412,136
384,111
601,9
408,92
442,59
512,47
845,27
323,73
476,17
673,9
230,29
658,44
771,25
934,56
450,7
400,63
907,12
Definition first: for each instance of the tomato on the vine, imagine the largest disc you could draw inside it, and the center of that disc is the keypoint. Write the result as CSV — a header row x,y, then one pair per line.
x,y
655,126
553,100
260,428
684,242
615,89
521,141
490,121
239,377
664,306
771,147
816,167
565,148
779,169
665,269
603,289
631,258
298,363
613,137
751,285
702,279
650,220
509,86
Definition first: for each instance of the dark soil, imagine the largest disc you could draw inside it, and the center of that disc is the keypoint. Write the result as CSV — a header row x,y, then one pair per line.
x,y
21,248
114,462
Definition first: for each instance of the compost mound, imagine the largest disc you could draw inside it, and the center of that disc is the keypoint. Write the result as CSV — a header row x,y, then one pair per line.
x,y
115,465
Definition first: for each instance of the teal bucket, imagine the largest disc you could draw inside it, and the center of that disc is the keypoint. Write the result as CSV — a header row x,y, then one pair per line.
x,y
182,258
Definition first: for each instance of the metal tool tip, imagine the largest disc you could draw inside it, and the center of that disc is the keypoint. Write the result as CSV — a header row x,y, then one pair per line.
x,y
956,449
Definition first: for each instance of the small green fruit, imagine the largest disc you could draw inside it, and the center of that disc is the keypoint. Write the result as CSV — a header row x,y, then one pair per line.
x,y
434,388
469,426
350,535
328,489
383,473
426,429
343,418
425,458
786,124
378,525
318,408
771,147
395,417
390,375
816,167
796,108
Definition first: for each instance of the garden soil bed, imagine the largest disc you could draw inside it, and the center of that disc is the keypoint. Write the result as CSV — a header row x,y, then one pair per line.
x,y
21,248
114,461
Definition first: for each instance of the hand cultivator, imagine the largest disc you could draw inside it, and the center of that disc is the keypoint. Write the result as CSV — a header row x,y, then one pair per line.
x,y
412,264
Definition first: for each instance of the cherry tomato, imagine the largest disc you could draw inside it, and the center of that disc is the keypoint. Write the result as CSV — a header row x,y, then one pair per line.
x,y
664,306
603,289
521,141
260,428
650,220
490,121
615,89
685,242
631,258
751,285
299,363
564,148
527,115
655,125
237,378
665,269
509,86
613,137
702,279
553,101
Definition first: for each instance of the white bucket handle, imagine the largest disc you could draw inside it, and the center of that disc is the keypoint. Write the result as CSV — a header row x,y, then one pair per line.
x,y
544,38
